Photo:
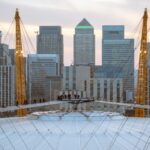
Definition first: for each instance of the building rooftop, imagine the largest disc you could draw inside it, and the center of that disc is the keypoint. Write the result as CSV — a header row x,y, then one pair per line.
x,y
75,131
50,57
50,29
84,24
43,55
113,27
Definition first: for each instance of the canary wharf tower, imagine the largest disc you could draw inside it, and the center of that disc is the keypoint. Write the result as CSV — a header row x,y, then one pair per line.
x,y
84,44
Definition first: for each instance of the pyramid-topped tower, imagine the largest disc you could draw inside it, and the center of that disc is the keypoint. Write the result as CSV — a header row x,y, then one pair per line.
x,y
84,24
84,44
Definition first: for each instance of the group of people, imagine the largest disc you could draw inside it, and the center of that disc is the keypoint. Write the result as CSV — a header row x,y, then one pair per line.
x,y
41,100
68,96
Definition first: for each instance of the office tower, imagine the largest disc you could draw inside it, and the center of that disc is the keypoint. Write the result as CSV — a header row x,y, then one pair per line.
x,y
110,85
5,59
12,56
43,77
74,78
84,44
7,85
50,41
3,51
118,51
104,86
7,77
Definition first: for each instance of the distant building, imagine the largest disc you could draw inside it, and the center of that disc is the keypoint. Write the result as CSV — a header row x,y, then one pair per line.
x,y
12,56
50,41
110,81
118,51
7,77
84,44
5,59
7,85
74,79
103,86
43,69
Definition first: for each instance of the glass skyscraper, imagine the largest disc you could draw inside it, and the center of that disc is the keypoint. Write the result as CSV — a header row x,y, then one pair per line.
x,y
84,44
50,41
118,51
40,68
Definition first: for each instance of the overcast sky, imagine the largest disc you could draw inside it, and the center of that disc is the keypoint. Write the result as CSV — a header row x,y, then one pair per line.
x,y
68,13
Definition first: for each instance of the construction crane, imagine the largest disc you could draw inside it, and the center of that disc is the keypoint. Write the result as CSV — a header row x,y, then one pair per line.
x,y
141,93
20,77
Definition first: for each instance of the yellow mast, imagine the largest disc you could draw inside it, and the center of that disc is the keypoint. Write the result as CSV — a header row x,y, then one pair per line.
x,y
141,93
20,78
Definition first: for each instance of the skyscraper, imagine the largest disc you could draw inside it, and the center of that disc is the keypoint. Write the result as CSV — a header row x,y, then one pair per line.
x,y
5,58
84,44
42,68
50,41
7,77
118,51
7,85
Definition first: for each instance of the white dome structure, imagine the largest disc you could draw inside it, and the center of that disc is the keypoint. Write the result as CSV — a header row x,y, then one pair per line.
x,y
75,131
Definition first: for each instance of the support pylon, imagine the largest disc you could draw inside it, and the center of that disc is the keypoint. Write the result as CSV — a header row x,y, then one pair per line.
x,y
20,77
141,93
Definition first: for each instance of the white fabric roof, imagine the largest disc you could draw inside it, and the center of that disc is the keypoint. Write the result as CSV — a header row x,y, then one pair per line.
x,y
74,131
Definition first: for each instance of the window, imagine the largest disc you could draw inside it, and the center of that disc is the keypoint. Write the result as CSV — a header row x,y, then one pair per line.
x,y
91,88
98,89
111,90
105,90
67,86
85,85
74,86
118,91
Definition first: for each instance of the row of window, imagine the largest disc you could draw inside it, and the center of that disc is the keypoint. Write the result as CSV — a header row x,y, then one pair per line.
x,y
98,89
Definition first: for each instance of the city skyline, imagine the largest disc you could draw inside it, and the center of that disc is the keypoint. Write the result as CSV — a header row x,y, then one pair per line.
x,y
75,74
68,13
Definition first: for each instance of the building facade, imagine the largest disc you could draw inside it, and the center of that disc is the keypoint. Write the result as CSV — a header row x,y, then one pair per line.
x,y
84,44
12,56
78,79
118,51
50,41
7,77
7,85
5,58
42,68
112,83
75,77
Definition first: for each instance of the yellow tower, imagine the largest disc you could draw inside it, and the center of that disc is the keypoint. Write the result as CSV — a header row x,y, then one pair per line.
x,y
141,93
20,77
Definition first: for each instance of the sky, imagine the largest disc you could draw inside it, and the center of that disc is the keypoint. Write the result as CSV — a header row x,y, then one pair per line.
x,y
68,13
